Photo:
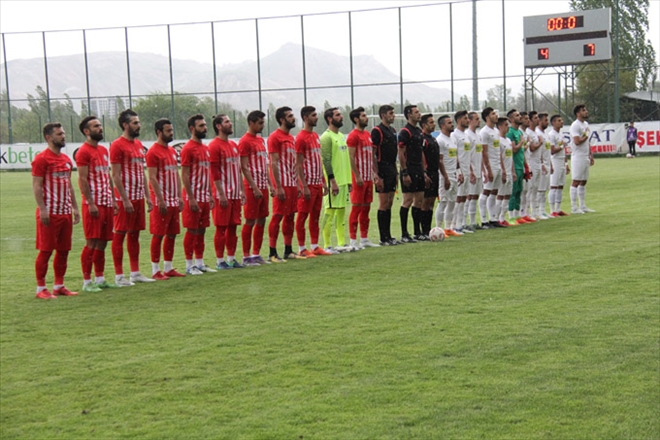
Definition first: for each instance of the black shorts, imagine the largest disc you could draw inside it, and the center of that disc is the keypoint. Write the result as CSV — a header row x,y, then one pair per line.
x,y
388,173
432,191
417,181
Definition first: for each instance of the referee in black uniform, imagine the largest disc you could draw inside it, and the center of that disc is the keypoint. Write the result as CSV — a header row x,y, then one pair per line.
x,y
383,137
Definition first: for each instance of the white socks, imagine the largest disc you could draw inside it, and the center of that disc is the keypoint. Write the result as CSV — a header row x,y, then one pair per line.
x,y
582,194
483,211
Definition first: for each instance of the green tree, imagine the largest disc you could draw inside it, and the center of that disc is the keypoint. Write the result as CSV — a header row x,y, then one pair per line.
x,y
595,83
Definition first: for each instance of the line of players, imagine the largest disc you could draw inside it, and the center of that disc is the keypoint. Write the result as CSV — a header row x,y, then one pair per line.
x,y
307,175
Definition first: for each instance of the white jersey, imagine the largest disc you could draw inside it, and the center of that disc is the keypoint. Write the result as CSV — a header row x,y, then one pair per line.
x,y
449,154
464,150
534,156
491,137
555,139
507,155
578,129
476,149
545,147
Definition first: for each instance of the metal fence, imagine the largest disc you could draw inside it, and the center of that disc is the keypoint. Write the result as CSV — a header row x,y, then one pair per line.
x,y
240,65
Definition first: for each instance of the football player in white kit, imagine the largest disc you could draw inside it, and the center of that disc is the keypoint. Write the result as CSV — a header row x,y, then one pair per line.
x,y
534,164
559,166
492,163
546,166
464,147
475,182
504,194
581,159
449,155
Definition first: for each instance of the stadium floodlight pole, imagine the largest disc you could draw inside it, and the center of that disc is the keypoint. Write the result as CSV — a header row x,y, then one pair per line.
x,y
617,114
89,100
43,35
400,61
304,66
128,69
215,73
350,55
451,53
9,125
475,70
169,54
256,27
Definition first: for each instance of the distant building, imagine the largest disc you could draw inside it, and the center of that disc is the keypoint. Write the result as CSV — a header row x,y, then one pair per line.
x,y
107,107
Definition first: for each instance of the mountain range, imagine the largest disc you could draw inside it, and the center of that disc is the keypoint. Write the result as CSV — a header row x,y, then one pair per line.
x,y
280,70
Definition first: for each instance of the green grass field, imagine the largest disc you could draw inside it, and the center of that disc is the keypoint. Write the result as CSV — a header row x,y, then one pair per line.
x,y
549,330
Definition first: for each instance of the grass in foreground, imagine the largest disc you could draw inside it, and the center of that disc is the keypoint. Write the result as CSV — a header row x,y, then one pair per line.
x,y
543,330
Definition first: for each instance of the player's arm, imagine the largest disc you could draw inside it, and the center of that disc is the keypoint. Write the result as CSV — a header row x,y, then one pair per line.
x,y
245,169
38,190
277,180
185,179
326,155
351,156
123,195
485,161
443,171
502,166
179,191
150,205
86,190
302,182
556,146
515,146
115,207
74,203
155,186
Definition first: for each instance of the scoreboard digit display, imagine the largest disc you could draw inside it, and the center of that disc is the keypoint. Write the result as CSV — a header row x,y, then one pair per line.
x,y
570,38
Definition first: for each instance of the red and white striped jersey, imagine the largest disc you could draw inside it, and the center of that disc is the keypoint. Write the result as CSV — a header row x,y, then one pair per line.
x,y
56,172
196,156
254,148
130,155
163,158
364,153
226,167
98,173
309,145
283,144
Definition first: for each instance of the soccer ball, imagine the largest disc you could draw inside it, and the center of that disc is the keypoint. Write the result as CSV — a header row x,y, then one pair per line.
x,y
437,234
629,156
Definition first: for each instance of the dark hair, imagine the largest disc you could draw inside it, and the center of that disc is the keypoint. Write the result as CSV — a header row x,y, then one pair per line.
x,y
426,117
578,108
355,114
523,114
510,113
407,111
327,115
280,113
85,122
553,118
543,115
306,111
160,124
485,112
442,119
255,115
384,109
217,120
472,114
459,114
501,121
125,117
532,114
193,119
50,128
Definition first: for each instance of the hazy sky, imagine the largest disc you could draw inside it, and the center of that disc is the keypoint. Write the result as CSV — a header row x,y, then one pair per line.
x,y
425,32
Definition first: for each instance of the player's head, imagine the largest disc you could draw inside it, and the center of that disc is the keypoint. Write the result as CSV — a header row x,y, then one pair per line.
x,y
487,114
556,121
632,123
580,112
461,119
285,118
445,124
412,114
91,128
256,121
164,130
502,125
543,120
473,117
222,124
54,135
386,113
514,117
359,118
197,126
427,123
129,123
524,119
333,117
309,116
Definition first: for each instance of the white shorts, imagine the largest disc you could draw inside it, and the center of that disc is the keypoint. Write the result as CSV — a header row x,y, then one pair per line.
x,y
580,168
558,178
544,184
507,187
476,188
463,188
496,183
534,181
450,194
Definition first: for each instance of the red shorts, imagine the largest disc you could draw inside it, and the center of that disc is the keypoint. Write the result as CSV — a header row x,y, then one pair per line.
x,y
197,220
100,227
255,208
290,203
167,224
315,202
361,195
57,235
130,222
231,215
